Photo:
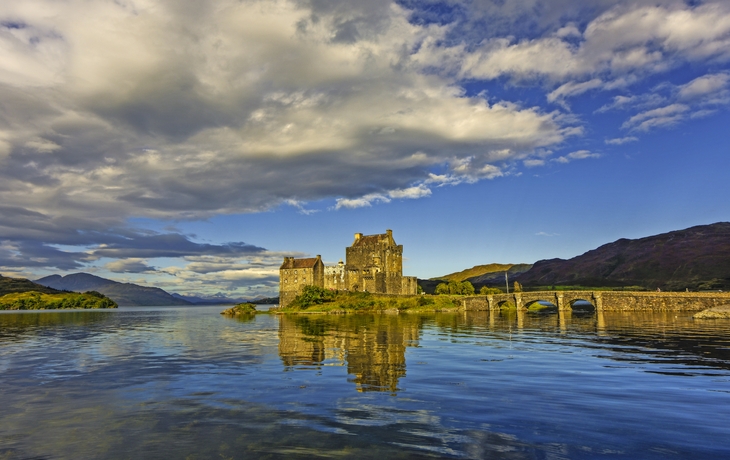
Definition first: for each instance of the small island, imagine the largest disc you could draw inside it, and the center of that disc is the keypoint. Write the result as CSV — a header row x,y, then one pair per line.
x,y
241,309
315,299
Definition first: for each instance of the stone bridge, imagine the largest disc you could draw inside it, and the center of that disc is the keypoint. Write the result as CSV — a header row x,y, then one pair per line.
x,y
603,300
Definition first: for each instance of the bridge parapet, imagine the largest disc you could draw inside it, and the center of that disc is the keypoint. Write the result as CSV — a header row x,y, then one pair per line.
x,y
604,300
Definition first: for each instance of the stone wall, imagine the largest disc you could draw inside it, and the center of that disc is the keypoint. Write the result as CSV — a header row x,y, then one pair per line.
x,y
294,274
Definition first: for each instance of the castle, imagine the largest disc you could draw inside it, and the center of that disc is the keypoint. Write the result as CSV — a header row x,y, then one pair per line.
x,y
374,263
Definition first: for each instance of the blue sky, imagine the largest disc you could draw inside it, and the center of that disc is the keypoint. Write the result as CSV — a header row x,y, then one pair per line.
x,y
192,145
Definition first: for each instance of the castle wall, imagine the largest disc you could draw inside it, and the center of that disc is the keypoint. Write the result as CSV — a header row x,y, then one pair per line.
x,y
409,285
294,274
374,263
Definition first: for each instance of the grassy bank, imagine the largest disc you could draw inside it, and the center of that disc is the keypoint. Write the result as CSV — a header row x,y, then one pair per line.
x,y
317,300
33,300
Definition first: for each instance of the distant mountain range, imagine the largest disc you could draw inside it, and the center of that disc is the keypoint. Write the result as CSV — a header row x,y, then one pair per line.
x,y
217,299
697,258
129,294
125,294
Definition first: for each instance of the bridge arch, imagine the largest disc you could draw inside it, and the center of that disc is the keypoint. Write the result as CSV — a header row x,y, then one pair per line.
x,y
582,305
541,305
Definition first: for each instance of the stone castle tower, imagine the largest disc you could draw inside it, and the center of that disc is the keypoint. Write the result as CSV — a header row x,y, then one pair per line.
x,y
374,263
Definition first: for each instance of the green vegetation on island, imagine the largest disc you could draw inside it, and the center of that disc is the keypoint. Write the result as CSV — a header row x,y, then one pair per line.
x,y
34,300
246,308
314,299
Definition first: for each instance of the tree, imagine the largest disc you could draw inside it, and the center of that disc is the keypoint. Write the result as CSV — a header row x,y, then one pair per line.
x,y
455,288
466,288
489,290
441,289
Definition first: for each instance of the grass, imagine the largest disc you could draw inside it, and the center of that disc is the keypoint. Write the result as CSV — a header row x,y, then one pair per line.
x,y
33,300
343,301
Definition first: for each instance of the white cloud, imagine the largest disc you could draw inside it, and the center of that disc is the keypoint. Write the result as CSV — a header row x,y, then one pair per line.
x,y
419,191
623,40
533,163
662,116
131,265
573,89
361,202
185,109
577,155
706,85
621,140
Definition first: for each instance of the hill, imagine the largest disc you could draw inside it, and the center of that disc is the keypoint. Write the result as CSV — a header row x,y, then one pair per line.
x,y
126,294
484,272
479,275
697,258
17,285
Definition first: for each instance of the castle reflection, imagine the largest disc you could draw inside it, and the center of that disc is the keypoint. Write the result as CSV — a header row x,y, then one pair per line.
x,y
371,346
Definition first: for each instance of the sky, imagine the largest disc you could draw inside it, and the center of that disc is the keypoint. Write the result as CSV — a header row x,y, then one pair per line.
x,y
192,145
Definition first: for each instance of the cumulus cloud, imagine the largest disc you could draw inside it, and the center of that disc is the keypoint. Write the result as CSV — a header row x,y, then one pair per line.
x,y
260,103
627,39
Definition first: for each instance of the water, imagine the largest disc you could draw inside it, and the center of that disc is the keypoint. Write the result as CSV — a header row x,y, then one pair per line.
x,y
189,383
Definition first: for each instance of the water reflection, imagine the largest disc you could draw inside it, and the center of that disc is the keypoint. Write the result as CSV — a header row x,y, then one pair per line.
x,y
372,347
189,383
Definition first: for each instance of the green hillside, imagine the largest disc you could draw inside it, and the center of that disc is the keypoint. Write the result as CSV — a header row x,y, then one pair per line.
x,y
479,271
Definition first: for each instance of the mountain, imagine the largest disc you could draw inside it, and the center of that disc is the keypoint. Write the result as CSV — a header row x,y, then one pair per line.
x,y
217,299
126,294
697,258
11,285
485,273
222,299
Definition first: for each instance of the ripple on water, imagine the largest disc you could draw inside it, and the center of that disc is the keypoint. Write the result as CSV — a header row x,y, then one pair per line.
x,y
187,382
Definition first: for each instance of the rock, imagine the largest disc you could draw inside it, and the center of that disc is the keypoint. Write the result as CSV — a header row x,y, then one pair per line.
x,y
723,311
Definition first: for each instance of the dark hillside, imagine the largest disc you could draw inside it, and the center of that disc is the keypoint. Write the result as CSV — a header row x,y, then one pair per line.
x,y
697,258
12,285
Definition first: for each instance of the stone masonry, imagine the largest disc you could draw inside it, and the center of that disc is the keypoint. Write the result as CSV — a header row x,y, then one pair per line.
x,y
374,263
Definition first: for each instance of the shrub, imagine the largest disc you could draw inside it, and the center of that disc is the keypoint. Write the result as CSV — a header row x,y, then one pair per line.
x,y
313,295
